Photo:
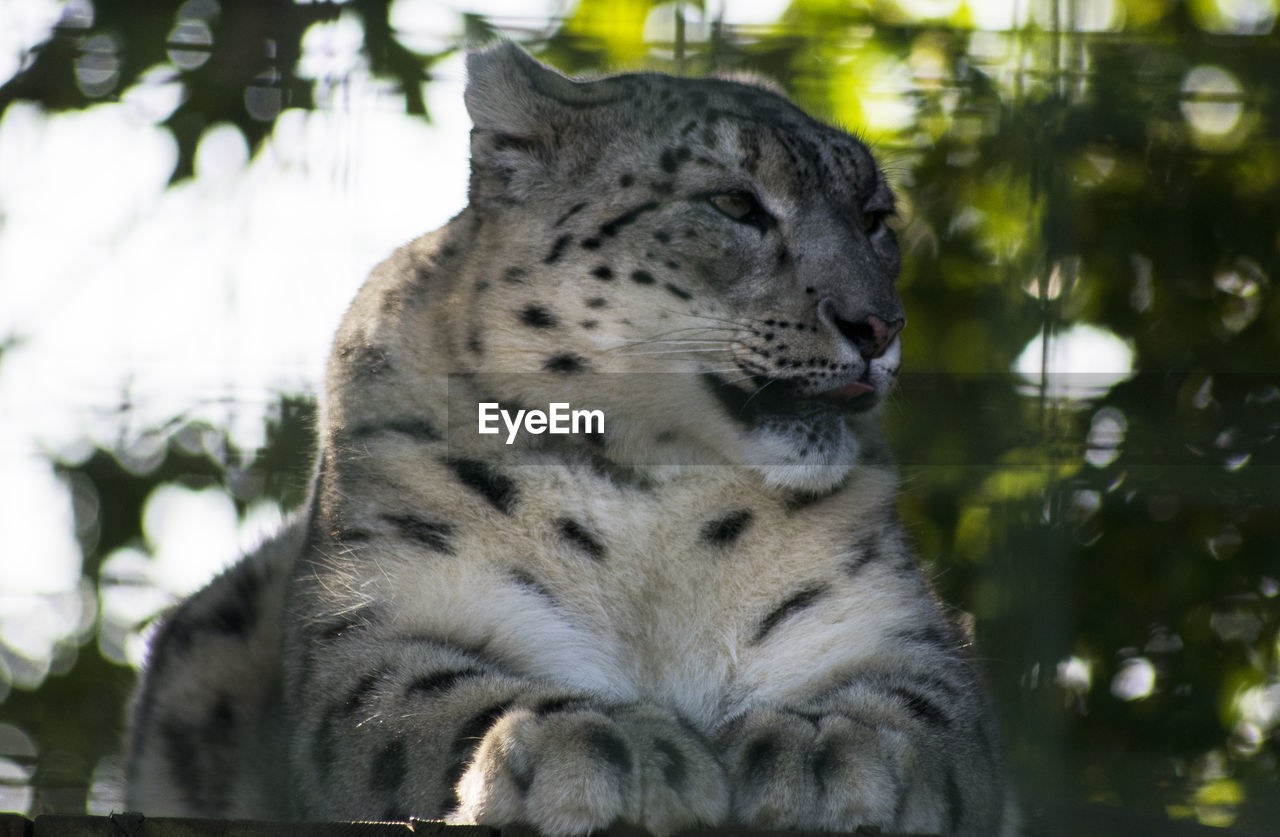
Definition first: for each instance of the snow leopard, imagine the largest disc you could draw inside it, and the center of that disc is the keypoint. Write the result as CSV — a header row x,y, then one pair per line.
x,y
700,610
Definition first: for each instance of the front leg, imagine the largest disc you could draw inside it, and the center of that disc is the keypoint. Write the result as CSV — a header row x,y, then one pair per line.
x,y
412,727
900,749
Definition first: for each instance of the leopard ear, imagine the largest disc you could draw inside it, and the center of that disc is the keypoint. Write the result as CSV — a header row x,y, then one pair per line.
x,y
509,92
519,107
515,120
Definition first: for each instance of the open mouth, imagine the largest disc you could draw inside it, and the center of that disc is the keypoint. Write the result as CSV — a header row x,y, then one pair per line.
x,y
760,397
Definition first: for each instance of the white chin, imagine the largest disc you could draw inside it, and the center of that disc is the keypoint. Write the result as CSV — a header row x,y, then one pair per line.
x,y
789,461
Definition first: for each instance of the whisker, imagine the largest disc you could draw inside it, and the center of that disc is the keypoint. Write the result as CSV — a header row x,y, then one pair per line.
x,y
674,352
679,342
709,333
759,390
745,326
739,325
691,333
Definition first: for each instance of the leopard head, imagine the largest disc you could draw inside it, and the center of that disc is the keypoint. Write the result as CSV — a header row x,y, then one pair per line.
x,y
699,256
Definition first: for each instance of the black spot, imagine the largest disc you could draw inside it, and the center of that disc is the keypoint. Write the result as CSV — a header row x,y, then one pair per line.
x,y
642,277
626,180
590,243
565,363
597,302
551,706
724,530
434,685
662,236
538,316
429,533
495,487
389,768
528,582
221,719
574,532
522,776
504,142
800,500
589,324
557,249
759,760
395,813
669,162
610,747
610,228
675,768
865,552
603,272
922,708
470,733
574,210
677,291
475,343
797,602
183,754
362,690
417,428
825,764
514,275
233,615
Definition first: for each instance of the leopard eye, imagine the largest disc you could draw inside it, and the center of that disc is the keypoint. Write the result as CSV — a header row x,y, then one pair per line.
x,y
737,205
871,221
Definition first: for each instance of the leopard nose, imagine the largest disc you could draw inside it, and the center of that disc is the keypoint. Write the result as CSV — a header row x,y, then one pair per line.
x,y
871,335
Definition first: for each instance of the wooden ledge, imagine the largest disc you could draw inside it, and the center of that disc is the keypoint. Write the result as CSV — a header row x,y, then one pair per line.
x,y
136,825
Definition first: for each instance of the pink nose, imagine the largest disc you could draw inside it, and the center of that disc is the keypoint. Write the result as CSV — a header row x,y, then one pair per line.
x,y
872,336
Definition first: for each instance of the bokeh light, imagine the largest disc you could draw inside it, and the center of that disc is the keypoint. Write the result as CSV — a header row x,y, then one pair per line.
x,y
1080,362
1212,102
1135,679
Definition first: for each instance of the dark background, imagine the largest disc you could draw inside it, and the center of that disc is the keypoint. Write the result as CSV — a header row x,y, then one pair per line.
x,y
1118,554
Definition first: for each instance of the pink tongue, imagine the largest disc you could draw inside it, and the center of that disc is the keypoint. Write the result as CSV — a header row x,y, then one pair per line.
x,y
849,391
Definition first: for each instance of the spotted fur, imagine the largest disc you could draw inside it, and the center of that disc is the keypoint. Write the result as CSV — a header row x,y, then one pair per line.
x,y
707,614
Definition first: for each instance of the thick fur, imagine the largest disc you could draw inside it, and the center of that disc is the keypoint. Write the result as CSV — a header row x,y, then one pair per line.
x,y
707,614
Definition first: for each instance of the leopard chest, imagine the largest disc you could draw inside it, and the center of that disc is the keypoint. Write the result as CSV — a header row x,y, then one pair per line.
x,y
699,597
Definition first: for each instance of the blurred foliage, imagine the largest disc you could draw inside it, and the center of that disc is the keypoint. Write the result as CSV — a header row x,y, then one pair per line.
x,y
1120,553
